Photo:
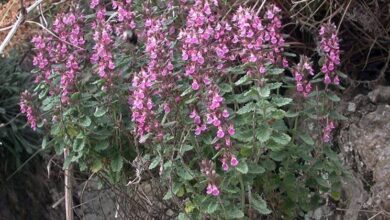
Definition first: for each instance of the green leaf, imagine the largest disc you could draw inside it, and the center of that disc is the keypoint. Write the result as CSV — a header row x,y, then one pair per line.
x,y
154,162
256,169
145,137
184,173
212,207
263,133
86,121
44,142
275,71
276,85
333,97
117,163
234,213
242,80
281,138
242,167
78,144
168,195
281,101
99,112
263,92
187,91
96,166
182,216
307,139
322,182
260,205
102,145
186,148
249,107
226,87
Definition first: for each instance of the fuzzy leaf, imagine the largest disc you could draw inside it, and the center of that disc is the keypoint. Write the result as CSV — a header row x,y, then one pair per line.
x,y
242,167
117,163
99,112
154,162
260,205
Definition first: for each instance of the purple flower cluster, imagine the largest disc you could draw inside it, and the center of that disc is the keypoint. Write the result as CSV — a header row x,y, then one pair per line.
x,y
301,71
156,80
205,43
207,168
102,50
27,109
68,27
259,41
142,106
329,46
125,15
41,59
326,136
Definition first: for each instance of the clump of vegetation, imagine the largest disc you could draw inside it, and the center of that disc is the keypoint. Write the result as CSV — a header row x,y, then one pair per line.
x,y
210,98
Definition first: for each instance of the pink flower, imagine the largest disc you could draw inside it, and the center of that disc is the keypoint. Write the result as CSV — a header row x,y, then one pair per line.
x,y
231,130
233,161
220,133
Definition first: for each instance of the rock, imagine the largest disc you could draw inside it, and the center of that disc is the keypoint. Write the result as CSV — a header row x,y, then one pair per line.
x,y
380,95
366,138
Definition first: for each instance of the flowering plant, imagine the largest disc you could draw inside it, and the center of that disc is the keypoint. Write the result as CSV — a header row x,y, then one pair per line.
x,y
205,98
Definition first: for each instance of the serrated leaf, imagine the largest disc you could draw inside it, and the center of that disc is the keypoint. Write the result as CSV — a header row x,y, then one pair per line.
x,y
234,213
249,107
307,139
182,216
184,173
260,205
212,207
168,195
275,71
186,148
86,121
226,87
78,144
144,138
187,91
275,85
99,112
281,101
117,163
255,169
263,92
96,166
242,80
333,97
102,145
263,134
154,162
242,167
281,138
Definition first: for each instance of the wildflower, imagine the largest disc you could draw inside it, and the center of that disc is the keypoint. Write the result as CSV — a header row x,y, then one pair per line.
x,y
207,168
301,71
27,109
329,46
326,137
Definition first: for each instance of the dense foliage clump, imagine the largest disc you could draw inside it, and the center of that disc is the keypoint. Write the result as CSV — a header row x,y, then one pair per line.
x,y
211,95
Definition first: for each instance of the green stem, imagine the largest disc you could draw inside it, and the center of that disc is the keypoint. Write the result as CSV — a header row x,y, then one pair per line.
x,y
242,192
